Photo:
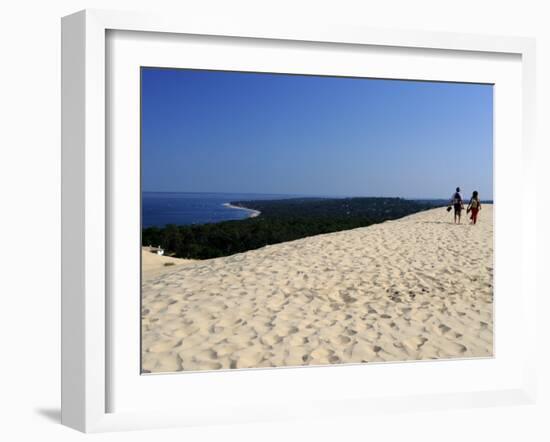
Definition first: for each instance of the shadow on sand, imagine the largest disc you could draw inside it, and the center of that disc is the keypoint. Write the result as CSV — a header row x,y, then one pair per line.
x,y
435,222
51,414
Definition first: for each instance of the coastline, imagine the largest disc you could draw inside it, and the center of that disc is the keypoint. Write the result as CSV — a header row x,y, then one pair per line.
x,y
252,213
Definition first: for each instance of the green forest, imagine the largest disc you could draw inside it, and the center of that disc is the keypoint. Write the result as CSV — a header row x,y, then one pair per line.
x,y
279,221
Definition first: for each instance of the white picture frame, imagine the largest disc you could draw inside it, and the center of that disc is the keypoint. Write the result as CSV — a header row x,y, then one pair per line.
x,y
86,317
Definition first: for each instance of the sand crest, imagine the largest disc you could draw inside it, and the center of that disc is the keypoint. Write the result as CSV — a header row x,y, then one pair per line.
x,y
415,288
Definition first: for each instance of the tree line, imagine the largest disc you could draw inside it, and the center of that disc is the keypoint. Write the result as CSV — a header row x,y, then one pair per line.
x,y
279,221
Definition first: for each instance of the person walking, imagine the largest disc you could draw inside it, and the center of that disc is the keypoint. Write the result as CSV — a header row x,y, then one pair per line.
x,y
474,206
458,204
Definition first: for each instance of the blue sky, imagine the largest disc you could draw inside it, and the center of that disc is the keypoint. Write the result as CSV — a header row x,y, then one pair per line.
x,y
212,131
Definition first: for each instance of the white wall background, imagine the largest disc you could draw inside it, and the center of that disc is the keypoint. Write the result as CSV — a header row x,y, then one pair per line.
x,y
30,215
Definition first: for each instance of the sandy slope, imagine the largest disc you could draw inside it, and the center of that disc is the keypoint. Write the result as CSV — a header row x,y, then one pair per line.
x,y
415,288
153,264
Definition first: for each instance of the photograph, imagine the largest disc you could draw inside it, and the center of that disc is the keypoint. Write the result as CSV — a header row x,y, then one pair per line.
x,y
298,220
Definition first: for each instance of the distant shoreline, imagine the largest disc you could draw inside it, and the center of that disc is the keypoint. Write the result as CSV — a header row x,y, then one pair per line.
x,y
252,213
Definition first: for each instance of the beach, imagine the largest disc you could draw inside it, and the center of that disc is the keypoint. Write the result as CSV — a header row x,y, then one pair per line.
x,y
251,212
415,288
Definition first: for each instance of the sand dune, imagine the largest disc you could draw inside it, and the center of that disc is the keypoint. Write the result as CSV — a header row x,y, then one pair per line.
x,y
153,264
415,288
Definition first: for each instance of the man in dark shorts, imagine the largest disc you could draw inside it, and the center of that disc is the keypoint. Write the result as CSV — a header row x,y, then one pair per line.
x,y
458,204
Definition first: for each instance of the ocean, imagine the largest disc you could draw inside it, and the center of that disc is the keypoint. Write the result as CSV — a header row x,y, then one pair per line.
x,y
185,208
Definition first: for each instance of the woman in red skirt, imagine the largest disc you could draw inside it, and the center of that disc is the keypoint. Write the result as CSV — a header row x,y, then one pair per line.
x,y
474,207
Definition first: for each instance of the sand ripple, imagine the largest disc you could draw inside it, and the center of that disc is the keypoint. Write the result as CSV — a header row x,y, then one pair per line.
x,y
415,288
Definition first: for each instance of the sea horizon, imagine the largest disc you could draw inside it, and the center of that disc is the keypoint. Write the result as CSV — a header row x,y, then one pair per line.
x,y
161,208
304,195
189,208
